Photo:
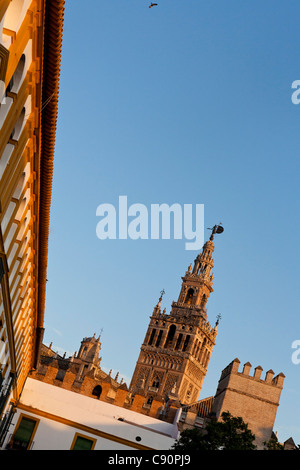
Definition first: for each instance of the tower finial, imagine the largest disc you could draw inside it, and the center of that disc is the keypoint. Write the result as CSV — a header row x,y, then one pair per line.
x,y
216,229
158,305
162,293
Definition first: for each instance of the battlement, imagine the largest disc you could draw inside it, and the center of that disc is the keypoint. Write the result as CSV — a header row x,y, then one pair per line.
x,y
233,368
251,397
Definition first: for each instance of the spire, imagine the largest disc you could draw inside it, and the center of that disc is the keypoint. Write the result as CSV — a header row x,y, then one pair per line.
x,y
204,262
197,283
215,329
162,293
158,305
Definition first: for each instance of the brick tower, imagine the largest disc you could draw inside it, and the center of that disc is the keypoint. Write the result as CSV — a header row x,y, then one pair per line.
x,y
88,356
174,356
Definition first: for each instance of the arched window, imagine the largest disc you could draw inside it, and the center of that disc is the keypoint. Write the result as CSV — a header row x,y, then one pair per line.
x,y
159,338
152,337
178,343
97,391
203,301
16,79
60,375
189,296
83,354
170,336
186,342
202,351
19,126
155,383
150,400
20,186
207,359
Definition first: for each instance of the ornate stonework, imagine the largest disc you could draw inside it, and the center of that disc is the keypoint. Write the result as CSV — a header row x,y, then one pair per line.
x,y
178,346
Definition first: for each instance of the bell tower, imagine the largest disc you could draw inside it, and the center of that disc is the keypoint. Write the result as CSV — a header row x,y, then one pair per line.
x,y
174,356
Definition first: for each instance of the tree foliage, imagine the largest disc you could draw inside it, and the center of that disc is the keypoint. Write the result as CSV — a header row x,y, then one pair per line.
x,y
231,433
273,444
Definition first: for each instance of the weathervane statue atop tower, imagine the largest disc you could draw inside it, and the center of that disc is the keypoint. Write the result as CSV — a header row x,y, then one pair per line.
x,y
216,229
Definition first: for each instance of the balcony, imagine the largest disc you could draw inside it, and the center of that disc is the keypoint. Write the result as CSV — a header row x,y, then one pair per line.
x,y
18,444
5,390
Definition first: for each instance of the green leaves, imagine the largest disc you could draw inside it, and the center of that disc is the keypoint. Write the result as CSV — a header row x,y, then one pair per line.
x,y
231,433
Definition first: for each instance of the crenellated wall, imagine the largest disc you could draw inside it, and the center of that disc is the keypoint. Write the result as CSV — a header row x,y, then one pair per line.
x,y
250,397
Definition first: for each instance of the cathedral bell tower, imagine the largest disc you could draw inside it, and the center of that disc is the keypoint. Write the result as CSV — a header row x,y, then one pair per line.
x,y
175,354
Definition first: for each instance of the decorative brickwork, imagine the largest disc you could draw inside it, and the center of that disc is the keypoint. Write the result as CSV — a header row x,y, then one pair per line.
x,y
82,374
180,342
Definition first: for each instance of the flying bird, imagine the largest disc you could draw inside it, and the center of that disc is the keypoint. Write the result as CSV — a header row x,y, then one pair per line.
x,y
152,5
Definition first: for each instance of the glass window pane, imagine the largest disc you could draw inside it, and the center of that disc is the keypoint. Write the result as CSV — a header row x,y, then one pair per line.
x,y
83,444
25,430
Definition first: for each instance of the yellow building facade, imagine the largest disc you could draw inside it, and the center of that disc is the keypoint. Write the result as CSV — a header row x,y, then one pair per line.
x,y
30,55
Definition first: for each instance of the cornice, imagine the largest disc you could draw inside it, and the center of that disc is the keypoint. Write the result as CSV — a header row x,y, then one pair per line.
x,y
53,19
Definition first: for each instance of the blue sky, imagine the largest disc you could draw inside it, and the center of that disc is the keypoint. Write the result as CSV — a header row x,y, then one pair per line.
x,y
190,103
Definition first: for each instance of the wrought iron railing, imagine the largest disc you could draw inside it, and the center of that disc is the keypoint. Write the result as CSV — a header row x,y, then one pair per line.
x,y
5,424
5,391
17,444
